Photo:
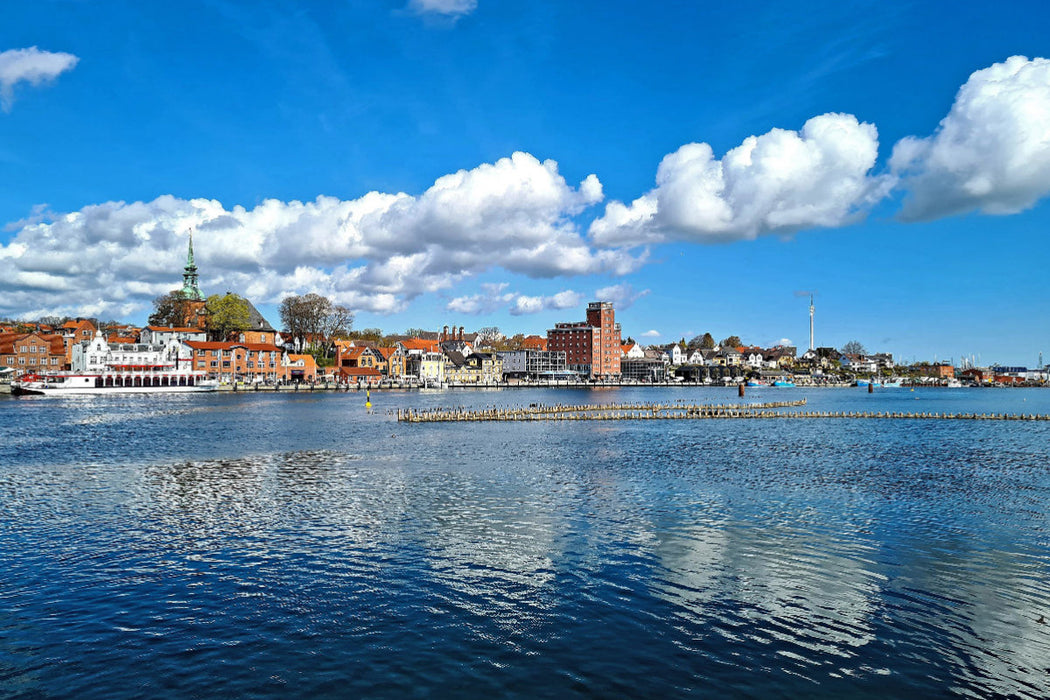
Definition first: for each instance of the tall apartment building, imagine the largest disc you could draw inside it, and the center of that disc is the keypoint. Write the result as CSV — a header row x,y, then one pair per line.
x,y
591,347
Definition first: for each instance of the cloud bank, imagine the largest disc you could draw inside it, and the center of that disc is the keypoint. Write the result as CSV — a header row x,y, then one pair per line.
x,y
374,253
780,182
991,153
378,252
31,66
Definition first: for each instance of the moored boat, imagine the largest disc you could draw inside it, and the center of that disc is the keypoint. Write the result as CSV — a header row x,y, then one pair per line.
x,y
137,379
881,383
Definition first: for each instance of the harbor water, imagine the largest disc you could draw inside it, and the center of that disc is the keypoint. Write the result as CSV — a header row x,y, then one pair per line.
x,y
298,544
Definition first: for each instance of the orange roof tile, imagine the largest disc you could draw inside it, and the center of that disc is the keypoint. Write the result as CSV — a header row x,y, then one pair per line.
x,y
360,371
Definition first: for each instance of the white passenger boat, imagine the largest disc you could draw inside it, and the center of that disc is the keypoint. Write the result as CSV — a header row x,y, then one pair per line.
x,y
138,379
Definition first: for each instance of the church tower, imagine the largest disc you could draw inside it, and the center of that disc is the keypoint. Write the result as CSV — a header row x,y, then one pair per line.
x,y
190,291
194,313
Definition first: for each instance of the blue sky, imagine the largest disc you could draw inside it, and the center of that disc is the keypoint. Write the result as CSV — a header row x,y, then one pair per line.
x,y
484,163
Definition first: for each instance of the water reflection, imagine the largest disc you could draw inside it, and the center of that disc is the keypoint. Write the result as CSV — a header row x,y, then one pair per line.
x,y
784,583
329,551
492,551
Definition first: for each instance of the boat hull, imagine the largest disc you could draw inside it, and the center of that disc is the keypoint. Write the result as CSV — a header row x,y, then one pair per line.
x,y
30,390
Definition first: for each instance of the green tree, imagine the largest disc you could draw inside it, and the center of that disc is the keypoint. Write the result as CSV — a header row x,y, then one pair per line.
x,y
227,313
169,309
732,341
707,342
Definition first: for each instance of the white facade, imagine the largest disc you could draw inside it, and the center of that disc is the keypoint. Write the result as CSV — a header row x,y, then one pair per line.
x,y
676,354
96,355
432,368
634,352
157,335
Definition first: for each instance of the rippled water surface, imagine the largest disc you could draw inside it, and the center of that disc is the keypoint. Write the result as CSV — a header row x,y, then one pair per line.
x,y
293,544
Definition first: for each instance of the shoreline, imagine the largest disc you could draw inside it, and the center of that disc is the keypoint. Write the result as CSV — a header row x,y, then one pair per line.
x,y
490,386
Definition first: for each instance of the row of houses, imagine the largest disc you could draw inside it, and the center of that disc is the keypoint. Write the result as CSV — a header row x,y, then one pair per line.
x,y
85,349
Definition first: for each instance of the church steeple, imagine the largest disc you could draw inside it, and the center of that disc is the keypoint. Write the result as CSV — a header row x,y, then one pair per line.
x,y
190,291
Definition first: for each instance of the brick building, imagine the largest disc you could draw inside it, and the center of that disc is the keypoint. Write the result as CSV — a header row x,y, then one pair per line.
x,y
27,353
591,347
237,362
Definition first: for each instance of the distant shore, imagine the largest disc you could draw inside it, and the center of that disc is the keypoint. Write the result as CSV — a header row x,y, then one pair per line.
x,y
395,386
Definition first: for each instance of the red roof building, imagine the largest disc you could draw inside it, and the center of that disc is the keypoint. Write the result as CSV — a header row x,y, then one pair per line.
x,y
237,362
27,353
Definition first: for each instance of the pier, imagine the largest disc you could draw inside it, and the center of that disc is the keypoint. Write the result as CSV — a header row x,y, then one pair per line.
x,y
675,411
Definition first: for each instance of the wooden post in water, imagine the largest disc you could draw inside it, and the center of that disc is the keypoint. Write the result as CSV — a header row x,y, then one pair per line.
x,y
740,390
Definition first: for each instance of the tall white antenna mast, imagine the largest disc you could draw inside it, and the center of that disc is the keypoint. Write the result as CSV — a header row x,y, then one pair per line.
x,y
811,345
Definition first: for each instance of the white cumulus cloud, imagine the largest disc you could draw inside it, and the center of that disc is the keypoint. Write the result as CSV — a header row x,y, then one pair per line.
x,y
375,253
992,151
534,304
621,295
651,334
492,298
31,66
779,182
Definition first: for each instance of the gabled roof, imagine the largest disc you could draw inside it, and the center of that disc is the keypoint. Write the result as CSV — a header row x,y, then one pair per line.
x,y
420,344
307,360
256,322
534,342
8,341
351,353
360,372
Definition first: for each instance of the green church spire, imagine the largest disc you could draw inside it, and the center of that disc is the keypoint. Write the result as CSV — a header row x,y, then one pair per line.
x,y
190,290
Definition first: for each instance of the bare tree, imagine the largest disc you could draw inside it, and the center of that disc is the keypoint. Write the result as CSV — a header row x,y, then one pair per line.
x,y
854,347
313,320
488,336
